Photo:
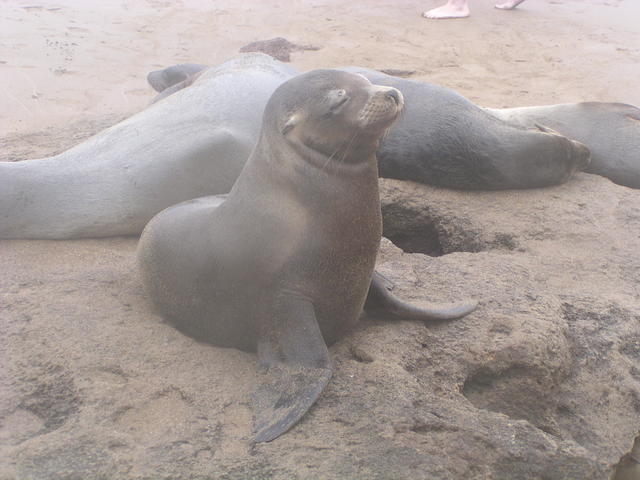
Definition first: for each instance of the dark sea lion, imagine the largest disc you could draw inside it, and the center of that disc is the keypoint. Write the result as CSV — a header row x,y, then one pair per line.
x,y
610,130
443,139
192,144
284,265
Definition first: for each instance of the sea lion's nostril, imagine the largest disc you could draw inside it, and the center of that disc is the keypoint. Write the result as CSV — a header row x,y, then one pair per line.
x,y
395,95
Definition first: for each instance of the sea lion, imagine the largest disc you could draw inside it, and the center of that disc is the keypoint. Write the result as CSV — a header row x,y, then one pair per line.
x,y
194,144
443,139
191,144
610,130
284,265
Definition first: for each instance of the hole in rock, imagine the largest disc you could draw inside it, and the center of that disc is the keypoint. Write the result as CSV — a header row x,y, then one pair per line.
x,y
417,229
52,397
431,234
410,231
628,467
419,239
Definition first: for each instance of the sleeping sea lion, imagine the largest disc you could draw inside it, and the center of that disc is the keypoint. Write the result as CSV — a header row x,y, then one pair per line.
x,y
191,144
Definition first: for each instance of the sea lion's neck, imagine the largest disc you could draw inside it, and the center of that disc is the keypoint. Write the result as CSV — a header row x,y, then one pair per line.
x,y
294,169
351,158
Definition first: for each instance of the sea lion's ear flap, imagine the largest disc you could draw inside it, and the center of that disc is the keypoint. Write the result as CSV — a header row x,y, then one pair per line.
x,y
291,122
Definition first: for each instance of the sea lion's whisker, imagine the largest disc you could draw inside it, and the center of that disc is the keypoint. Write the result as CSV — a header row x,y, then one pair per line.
x,y
329,159
346,150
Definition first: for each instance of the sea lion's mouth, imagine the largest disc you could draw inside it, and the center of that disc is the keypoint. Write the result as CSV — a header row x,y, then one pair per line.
x,y
384,105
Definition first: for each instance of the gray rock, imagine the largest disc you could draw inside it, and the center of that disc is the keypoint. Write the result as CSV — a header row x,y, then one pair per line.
x,y
541,382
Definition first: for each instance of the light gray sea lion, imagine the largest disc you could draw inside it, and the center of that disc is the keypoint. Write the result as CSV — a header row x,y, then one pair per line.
x,y
195,144
191,144
284,265
610,130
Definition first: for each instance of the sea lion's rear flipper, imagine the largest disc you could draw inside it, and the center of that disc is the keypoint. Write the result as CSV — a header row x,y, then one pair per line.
x,y
160,80
381,300
297,364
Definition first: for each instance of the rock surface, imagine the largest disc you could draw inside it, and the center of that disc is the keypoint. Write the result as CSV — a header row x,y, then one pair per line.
x,y
93,385
541,382
279,48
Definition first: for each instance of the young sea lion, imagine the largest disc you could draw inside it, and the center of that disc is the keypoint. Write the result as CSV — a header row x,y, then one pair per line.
x,y
284,265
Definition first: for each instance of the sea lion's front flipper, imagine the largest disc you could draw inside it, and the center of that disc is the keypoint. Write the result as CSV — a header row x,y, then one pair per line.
x,y
297,364
381,300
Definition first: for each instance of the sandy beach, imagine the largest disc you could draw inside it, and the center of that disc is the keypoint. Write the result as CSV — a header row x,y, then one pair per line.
x,y
542,382
70,61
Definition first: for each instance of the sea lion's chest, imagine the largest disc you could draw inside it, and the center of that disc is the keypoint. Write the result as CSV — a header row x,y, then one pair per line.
x,y
334,257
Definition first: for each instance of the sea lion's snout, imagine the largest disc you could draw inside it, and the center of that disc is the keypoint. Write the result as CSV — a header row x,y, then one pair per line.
x,y
382,108
386,94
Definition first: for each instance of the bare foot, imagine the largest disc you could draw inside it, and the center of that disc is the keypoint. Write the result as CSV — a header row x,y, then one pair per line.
x,y
453,9
509,5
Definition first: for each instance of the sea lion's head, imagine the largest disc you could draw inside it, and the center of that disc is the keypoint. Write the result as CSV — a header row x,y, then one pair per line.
x,y
332,112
